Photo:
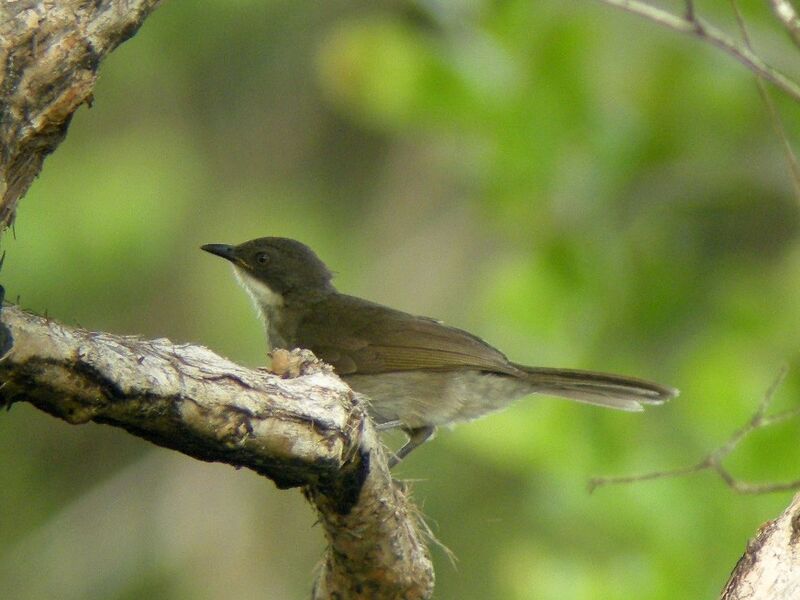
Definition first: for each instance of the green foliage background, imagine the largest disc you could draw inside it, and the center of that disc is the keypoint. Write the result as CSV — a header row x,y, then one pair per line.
x,y
575,185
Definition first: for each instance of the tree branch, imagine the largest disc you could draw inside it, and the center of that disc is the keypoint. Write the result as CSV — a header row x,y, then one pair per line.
x,y
50,53
714,460
787,15
309,432
692,25
770,566
772,111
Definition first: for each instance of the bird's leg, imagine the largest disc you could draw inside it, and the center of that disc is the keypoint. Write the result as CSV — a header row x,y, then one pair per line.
x,y
416,437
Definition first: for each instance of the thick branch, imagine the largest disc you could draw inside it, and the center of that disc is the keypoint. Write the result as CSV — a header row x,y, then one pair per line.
x,y
182,397
49,56
770,567
308,431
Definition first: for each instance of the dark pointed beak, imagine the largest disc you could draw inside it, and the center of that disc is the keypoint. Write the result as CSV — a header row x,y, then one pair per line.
x,y
223,250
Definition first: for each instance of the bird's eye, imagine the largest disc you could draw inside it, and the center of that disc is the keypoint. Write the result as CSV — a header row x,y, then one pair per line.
x,y
262,258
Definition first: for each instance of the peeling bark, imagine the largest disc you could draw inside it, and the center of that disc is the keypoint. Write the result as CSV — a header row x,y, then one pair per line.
x,y
309,431
50,52
770,566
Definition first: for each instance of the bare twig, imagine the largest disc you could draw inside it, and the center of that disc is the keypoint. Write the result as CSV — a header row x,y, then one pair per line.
x,y
714,460
691,24
787,15
774,115
689,12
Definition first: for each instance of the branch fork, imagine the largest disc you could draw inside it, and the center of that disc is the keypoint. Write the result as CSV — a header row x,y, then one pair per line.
x,y
308,431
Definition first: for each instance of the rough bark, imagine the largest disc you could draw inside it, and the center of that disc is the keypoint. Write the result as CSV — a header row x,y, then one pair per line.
x,y
770,566
50,51
309,431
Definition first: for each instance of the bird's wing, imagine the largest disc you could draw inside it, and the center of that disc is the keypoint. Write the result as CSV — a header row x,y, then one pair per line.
x,y
357,336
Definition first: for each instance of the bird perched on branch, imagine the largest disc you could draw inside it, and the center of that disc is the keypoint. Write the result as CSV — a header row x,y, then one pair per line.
x,y
417,373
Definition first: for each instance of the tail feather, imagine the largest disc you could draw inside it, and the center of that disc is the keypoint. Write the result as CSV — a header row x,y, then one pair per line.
x,y
602,389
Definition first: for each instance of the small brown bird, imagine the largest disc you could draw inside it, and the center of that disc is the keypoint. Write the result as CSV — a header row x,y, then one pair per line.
x,y
418,373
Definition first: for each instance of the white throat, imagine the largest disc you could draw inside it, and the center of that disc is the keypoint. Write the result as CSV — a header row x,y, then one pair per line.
x,y
264,299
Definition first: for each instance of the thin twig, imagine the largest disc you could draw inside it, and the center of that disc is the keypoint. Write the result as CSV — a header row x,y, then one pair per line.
x,y
596,482
787,15
711,35
713,462
774,115
690,15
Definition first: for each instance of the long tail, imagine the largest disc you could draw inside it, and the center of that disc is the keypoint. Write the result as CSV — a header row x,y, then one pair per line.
x,y
603,389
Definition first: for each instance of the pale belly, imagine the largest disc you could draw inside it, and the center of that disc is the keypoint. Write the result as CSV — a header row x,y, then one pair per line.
x,y
422,398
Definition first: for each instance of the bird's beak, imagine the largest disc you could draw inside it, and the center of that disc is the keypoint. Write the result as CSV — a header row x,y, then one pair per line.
x,y
223,250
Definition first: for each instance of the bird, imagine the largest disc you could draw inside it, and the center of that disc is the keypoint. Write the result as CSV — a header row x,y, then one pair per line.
x,y
417,373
